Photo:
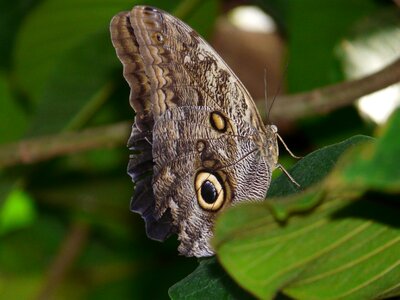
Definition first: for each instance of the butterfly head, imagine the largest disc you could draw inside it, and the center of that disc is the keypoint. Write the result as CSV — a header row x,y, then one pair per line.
x,y
270,149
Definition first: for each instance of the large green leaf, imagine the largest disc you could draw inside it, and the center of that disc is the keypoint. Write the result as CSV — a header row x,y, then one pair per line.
x,y
52,29
313,168
308,172
338,248
82,77
335,251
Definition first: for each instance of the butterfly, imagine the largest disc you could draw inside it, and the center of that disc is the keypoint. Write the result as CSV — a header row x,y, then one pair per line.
x,y
199,142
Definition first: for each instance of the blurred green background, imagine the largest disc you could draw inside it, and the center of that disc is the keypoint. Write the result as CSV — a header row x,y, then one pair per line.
x,y
65,226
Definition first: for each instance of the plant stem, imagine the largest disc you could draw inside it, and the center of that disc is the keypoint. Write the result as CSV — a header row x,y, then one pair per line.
x,y
326,99
46,147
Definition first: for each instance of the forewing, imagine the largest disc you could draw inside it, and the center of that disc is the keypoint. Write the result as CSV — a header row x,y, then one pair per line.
x,y
184,70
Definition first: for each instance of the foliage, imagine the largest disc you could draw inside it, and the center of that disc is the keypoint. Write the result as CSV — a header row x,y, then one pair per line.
x,y
59,72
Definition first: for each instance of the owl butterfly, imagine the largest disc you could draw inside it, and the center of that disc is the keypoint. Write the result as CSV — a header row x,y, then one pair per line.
x,y
200,144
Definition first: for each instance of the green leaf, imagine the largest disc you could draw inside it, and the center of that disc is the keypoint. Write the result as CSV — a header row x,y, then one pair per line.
x,y
17,211
309,249
376,166
313,168
52,29
361,257
312,256
80,81
208,281
308,172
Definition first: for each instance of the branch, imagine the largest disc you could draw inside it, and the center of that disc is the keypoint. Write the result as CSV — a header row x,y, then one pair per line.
x,y
46,147
327,99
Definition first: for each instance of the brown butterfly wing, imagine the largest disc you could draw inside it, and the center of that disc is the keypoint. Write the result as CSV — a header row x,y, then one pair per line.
x,y
179,84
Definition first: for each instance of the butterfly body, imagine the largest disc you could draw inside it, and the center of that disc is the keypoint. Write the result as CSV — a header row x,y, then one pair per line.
x,y
197,130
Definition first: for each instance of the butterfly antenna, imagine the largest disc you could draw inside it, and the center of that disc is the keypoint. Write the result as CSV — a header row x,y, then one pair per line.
x,y
266,94
280,167
278,89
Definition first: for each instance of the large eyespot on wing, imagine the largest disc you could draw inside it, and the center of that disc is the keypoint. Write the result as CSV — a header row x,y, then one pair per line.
x,y
211,191
184,70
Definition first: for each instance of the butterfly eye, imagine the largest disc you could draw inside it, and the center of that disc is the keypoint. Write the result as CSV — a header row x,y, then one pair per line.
x,y
209,191
218,121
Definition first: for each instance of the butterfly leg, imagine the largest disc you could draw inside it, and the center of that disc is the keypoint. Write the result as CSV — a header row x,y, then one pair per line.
x,y
280,167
